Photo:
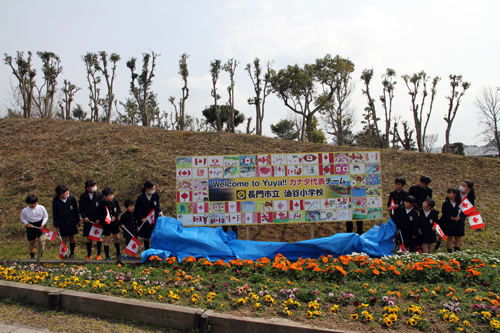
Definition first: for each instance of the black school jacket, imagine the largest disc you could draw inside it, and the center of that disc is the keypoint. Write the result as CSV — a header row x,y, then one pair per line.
x,y
399,198
65,214
113,207
408,223
427,222
129,221
143,206
420,193
89,207
448,211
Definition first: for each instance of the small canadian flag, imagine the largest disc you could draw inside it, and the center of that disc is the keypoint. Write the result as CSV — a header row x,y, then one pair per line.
x,y
466,206
393,206
475,220
44,230
439,230
63,250
95,232
108,217
132,247
50,235
151,217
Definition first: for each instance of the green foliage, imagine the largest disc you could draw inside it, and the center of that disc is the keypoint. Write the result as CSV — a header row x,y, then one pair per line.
x,y
456,148
78,112
285,130
225,113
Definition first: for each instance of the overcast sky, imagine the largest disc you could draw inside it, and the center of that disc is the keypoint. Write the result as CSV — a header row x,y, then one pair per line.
x,y
440,37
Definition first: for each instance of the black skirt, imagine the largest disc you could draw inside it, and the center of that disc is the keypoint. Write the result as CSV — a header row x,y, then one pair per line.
x,y
455,228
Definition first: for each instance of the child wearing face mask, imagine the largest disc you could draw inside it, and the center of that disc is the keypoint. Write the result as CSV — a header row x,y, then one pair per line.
x,y
66,217
146,202
34,216
89,201
454,225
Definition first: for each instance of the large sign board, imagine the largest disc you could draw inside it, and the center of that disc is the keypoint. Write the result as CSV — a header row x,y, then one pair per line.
x,y
278,188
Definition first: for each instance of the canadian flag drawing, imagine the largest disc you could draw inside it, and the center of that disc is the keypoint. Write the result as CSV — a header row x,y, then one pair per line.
x,y
184,196
232,206
63,250
296,205
151,217
475,220
51,235
95,232
439,230
326,158
200,161
466,206
132,247
108,217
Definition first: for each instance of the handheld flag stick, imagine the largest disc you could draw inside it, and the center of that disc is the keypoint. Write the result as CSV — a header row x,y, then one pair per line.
x,y
128,231
141,226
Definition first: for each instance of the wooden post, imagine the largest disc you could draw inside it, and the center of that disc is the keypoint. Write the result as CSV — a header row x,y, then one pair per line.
x,y
312,230
247,230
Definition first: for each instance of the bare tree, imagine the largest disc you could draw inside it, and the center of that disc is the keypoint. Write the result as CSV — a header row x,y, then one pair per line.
x,y
430,141
488,103
69,90
230,67
51,68
94,80
107,102
215,68
25,76
386,98
414,83
144,82
366,77
454,102
338,115
261,88
183,71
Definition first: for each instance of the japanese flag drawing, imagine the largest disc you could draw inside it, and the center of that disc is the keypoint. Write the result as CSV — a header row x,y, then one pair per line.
x,y
108,217
132,247
475,220
51,235
439,230
151,217
95,232
63,250
393,206
466,206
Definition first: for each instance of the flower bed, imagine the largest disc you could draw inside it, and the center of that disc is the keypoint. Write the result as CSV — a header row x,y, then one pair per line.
x,y
445,292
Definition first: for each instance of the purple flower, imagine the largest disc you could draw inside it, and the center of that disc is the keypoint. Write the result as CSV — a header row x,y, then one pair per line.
x,y
474,306
330,295
458,310
390,303
261,293
385,298
292,296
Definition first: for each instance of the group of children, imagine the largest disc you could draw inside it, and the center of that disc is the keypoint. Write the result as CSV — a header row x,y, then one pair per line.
x,y
416,219
94,207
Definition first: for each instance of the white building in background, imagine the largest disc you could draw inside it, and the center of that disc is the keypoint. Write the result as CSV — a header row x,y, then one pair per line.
x,y
473,150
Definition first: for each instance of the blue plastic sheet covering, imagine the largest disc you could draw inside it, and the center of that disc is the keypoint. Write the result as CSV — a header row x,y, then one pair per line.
x,y
170,238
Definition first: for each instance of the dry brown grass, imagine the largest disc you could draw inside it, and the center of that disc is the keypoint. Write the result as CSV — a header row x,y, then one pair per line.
x,y
37,155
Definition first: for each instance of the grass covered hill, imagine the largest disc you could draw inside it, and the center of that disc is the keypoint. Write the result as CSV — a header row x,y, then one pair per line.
x,y
37,155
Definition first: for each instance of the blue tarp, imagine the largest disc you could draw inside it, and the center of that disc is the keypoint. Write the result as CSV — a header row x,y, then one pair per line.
x,y
170,238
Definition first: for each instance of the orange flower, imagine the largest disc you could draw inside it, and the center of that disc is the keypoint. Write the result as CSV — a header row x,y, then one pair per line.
x,y
376,272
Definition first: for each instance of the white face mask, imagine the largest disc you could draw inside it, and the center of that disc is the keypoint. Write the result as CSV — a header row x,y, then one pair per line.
x,y
151,192
461,189
93,189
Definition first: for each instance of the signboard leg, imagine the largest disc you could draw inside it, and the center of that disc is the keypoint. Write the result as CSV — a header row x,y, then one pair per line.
x,y
312,230
247,230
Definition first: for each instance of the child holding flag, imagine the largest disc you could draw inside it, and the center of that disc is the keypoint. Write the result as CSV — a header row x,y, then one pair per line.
x,y
34,217
89,202
66,217
408,222
129,222
428,216
109,210
454,226
147,202
397,197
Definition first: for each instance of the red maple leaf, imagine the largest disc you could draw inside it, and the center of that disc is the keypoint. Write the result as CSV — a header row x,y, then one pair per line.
x,y
475,219
134,246
296,204
280,205
465,205
96,232
184,195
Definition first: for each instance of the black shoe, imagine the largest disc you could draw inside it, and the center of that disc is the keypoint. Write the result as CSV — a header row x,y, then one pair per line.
x,y
71,256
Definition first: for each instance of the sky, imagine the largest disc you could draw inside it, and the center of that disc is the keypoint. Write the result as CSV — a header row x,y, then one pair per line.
x,y
439,37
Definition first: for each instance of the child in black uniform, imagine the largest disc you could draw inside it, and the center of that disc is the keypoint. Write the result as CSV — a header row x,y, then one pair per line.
x,y
408,222
428,216
129,221
421,191
34,217
146,202
399,195
109,207
89,202
66,217
454,225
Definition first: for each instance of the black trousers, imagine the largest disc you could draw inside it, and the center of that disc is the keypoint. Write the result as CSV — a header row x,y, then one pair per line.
x,y
359,227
